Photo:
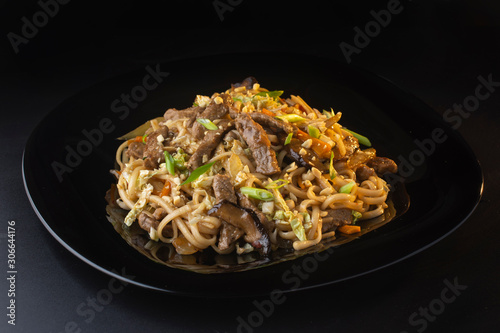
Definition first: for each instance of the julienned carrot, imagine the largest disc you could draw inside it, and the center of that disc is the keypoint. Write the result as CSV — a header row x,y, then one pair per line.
x,y
349,229
319,147
166,189
266,111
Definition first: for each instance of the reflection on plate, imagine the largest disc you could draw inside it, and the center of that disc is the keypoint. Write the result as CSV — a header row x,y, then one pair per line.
x,y
65,180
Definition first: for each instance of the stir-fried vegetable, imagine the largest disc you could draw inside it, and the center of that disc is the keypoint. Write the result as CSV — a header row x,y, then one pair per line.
x,y
313,131
349,229
288,138
321,148
198,172
207,123
361,138
273,94
257,193
169,161
347,187
138,206
356,216
291,118
298,229
275,184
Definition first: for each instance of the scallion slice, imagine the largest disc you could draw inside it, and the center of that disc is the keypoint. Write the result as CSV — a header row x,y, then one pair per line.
x,y
257,193
169,161
198,172
207,123
347,187
313,131
356,216
361,138
288,138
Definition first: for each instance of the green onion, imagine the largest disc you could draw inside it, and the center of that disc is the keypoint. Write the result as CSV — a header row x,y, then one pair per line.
x,y
362,139
207,123
198,172
236,99
169,160
275,184
327,114
195,104
333,174
356,216
180,160
298,229
347,187
272,94
257,193
313,131
288,138
144,138
291,118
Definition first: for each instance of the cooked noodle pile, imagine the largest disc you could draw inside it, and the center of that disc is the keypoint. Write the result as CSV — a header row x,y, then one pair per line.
x,y
247,170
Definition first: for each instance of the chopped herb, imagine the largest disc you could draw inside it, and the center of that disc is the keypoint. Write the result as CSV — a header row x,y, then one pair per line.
x,y
198,172
313,131
288,138
207,123
275,184
169,161
356,216
144,138
195,104
362,139
236,99
347,187
291,118
257,193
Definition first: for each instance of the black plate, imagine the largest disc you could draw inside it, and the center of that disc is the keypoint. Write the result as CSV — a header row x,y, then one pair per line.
x,y
78,139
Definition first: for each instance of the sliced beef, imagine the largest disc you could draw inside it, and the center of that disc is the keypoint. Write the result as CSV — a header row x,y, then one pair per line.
x,y
174,114
223,188
224,191
273,123
258,142
364,172
147,221
303,157
383,165
351,144
228,235
248,83
136,150
338,217
209,143
153,151
245,202
213,111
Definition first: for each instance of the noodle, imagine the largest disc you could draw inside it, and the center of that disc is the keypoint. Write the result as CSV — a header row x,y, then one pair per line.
x,y
307,196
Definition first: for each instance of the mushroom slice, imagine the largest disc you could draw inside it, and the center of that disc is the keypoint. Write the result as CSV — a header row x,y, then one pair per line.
x,y
245,219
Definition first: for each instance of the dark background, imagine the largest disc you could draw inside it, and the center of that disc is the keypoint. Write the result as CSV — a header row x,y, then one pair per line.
x,y
434,49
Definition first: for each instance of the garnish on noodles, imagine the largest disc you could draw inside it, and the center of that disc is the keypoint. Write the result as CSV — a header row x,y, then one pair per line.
x,y
247,170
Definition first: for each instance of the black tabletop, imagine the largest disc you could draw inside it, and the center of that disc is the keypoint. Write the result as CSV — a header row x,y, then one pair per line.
x,y
442,52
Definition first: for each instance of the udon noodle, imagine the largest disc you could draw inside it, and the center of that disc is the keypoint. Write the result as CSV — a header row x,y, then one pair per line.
x,y
247,170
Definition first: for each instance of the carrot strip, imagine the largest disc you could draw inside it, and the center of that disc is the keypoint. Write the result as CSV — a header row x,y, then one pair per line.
x,y
349,229
166,189
319,147
269,113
